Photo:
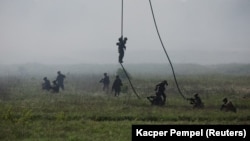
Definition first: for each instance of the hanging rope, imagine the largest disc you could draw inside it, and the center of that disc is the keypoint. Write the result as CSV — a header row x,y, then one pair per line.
x,y
165,50
122,20
130,81
121,63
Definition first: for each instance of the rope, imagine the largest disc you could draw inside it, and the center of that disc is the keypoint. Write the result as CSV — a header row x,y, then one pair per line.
x,y
165,50
130,81
122,20
121,63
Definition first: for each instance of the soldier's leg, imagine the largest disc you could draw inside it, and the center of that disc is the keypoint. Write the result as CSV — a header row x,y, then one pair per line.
x,y
164,97
116,93
151,99
62,86
121,57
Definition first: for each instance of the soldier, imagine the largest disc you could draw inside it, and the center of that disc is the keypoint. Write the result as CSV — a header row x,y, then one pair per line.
x,y
55,87
121,48
60,79
117,85
46,85
228,106
160,90
196,101
105,82
156,100
160,97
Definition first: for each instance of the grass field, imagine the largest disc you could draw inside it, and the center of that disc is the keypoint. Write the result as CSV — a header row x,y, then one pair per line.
x,y
84,112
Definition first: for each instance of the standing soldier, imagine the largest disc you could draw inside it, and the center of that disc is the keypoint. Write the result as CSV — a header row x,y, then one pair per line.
x,y
105,82
60,79
117,86
121,48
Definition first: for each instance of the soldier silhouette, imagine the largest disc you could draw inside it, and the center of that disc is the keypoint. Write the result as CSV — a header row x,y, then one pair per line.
x,y
55,87
160,90
60,80
160,97
196,101
105,82
121,47
228,106
46,84
117,85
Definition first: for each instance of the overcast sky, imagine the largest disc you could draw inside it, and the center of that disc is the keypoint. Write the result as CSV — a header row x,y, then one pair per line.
x,y
86,31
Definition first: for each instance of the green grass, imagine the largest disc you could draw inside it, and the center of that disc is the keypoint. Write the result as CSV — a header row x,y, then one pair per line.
x,y
84,112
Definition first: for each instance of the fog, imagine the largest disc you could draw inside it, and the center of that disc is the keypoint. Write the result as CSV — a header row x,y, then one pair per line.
x,y
86,31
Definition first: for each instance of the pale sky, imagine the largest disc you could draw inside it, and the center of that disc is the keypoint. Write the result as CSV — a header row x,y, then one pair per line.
x,y
86,31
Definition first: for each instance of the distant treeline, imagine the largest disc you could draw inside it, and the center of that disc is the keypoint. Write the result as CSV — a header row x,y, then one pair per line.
x,y
133,69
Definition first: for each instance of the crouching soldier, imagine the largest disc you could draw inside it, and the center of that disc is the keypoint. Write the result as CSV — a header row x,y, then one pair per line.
x,y
228,106
160,97
55,87
46,85
196,101
156,100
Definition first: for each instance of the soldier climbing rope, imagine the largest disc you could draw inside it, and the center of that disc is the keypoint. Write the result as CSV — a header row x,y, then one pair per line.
x,y
122,47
